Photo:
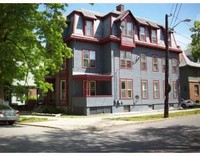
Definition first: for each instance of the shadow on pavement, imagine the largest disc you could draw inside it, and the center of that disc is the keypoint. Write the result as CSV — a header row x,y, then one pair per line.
x,y
178,139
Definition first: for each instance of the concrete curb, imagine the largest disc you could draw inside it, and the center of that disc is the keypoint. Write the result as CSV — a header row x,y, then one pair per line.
x,y
99,123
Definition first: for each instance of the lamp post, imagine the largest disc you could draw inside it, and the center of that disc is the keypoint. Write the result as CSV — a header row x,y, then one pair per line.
x,y
167,86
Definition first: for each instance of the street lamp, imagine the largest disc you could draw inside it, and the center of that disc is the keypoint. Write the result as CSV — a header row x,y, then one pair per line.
x,y
167,86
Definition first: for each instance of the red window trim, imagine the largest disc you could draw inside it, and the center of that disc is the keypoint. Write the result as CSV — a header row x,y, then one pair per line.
x,y
126,80
152,36
153,64
125,59
87,87
85,27
142,90
144,33
89,59
145,62
154,81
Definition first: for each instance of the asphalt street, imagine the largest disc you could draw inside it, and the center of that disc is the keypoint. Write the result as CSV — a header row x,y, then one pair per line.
x,y
177,135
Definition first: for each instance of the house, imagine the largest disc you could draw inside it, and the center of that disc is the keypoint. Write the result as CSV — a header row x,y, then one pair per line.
x,y
189,79
21,91
118,64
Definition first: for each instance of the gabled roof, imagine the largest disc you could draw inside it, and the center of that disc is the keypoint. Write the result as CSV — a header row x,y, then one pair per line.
x,y
123,15
186,62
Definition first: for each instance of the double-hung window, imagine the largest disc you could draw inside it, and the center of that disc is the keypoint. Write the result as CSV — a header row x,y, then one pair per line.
x,y
127,28
89,59
144,89
155,63
154,36
163,64
89,88
175,90
196,90
156,90
62,90
174,66
125,59
142,34
126,89
92,87
88,28
143,62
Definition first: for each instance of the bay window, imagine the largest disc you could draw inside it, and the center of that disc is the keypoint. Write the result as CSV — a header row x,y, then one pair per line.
x,y
127,28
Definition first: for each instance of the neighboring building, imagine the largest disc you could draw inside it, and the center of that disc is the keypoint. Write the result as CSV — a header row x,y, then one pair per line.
x,y
189,79
19,96
118,64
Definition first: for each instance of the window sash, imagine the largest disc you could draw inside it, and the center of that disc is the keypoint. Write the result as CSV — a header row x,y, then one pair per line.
x,y
156,89
89,59
175,92
196,90
143,62
88,28
125,59
126,89
155,63
127,28
174,66
62,90
153,36
142,34
163,64
144,90
92,87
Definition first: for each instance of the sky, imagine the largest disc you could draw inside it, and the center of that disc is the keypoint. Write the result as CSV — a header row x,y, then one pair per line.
x,y
155,12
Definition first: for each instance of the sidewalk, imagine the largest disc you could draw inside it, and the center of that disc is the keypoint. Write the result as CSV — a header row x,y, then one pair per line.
x,y
96,122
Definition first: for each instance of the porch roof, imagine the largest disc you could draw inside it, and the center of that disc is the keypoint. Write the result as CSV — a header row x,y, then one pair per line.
x,y
88,76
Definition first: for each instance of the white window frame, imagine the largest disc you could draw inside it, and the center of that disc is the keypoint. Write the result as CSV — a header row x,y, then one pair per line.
x,y
144,90
156,89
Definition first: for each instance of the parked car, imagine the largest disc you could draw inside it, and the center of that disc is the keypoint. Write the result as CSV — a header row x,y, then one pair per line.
x,y
187,103
8,114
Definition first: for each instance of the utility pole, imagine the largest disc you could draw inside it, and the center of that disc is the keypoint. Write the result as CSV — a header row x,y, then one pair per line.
x,y
167,86
166,105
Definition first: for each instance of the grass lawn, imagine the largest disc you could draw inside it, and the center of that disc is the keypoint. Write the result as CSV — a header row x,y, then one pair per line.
x,y
157,116
31,119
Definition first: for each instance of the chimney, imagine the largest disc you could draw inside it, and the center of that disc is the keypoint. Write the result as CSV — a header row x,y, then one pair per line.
x,y
120,8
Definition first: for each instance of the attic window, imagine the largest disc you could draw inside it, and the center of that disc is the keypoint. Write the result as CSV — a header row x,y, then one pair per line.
x,y
88,28
127,28
154,36
142,34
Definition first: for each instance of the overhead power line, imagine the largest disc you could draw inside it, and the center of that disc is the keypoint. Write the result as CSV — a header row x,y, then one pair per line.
x,y
174,14
177,14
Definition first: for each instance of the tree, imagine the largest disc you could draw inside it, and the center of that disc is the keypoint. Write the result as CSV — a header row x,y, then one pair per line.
x,y
31,42
196,41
